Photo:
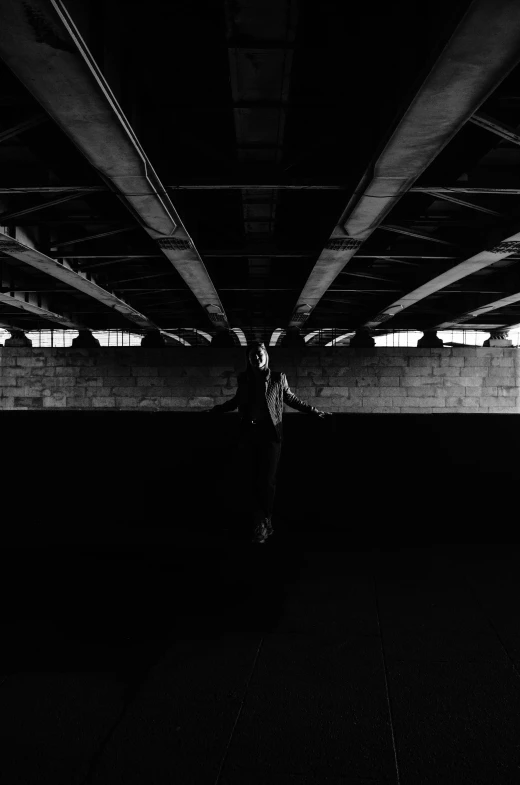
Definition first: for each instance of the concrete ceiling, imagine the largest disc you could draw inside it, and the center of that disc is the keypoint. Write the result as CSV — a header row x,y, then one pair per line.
x,y
257,164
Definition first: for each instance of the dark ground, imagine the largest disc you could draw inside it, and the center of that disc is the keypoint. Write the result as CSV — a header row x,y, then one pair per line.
x,y
373,639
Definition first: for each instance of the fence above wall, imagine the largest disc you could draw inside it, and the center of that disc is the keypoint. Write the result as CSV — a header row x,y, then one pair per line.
x,y
194,338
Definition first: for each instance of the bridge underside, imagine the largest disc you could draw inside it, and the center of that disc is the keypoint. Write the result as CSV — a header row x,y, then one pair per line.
x,y
257,165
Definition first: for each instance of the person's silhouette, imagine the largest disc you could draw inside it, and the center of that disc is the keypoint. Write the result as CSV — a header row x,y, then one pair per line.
x,y
260,396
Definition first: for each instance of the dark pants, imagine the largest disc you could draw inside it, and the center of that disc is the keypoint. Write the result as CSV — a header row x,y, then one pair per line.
x,y
259,455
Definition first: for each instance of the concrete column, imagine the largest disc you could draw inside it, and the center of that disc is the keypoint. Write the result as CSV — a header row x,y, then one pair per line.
x,y
153,340
498,338
430,340
18,338
362,340
85,340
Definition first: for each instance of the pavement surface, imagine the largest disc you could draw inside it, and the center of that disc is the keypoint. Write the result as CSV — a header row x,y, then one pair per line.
x,y
201,658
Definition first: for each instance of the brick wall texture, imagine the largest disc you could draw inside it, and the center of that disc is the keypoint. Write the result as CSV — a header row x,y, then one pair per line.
x,y
380,380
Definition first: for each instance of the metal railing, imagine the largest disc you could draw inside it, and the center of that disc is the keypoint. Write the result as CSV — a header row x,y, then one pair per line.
x,y
194,338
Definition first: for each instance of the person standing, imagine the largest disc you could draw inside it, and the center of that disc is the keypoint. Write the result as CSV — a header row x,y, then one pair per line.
x,y
260,396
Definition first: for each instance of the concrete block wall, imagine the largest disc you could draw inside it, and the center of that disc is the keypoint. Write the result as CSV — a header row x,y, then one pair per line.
x,y
380,380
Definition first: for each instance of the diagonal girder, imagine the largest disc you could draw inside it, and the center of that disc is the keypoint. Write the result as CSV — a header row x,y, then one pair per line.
x,y
481,52
508,247
7,217
25,125
81,282
489,124
60,72
492,306
7,326
413,233
37,310
462,202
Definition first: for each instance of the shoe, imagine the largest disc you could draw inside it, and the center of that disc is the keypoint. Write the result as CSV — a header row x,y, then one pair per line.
x,y
260,533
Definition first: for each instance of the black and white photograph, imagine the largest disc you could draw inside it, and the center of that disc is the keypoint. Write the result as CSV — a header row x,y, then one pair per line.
x,y
250,252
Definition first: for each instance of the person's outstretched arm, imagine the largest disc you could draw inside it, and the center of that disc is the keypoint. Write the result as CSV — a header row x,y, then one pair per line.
x,y
227,406
294,402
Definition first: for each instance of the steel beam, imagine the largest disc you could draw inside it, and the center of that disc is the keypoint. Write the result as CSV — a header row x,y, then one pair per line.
x,y
465,189
60,72
413,233
80,281
26,125
7,217
92,237
482,51
303,185
448,197
499,129
52,189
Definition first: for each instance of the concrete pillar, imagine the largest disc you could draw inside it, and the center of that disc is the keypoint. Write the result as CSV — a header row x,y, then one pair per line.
x,y
292,338
18,338
362,340
498,338
430,340
223,339
85,340
153,340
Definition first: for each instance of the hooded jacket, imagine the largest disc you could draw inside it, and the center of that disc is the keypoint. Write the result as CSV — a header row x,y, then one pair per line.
x,y
277,392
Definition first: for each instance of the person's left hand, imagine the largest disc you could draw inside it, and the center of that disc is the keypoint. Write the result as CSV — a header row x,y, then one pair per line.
x,y
322,415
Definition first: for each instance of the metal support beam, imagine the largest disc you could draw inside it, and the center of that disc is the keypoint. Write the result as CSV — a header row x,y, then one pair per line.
x,y
413,233
92,237
19,128
7,217
454,89
448,197
303,185
465,189
300,185
295,186
499,129
67,82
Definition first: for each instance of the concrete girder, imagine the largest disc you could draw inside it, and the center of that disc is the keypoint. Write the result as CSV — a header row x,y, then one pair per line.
x,y
7,326
60,72
36,310
79,281
482,51
508,247
493,306
53,189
